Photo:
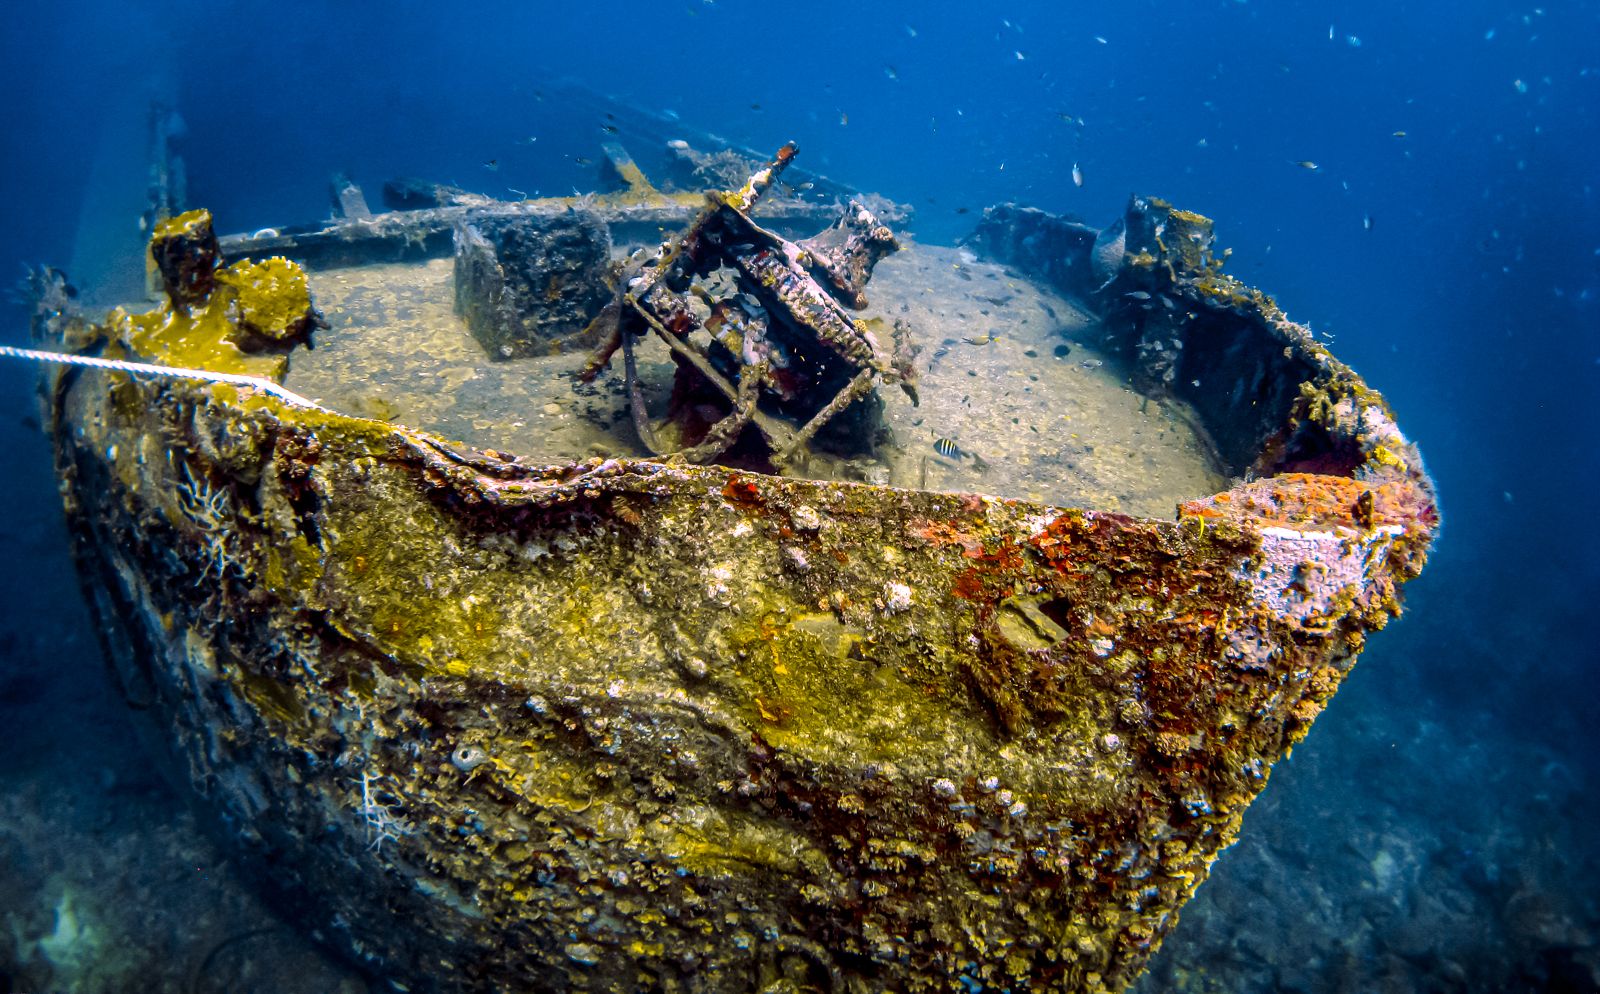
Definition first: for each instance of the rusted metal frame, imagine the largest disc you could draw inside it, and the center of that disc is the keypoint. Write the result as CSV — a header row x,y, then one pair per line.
x,y
778,436
774,432
610,319
739,202
807,303
856,388
647,279
776,269
671,251
726,431
800,295
641,417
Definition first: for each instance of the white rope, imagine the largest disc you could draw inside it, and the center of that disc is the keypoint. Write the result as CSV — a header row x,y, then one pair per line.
x,y
609,467
176,372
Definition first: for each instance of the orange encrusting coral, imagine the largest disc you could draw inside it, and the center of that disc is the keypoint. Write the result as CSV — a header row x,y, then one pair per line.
x,y
1309,500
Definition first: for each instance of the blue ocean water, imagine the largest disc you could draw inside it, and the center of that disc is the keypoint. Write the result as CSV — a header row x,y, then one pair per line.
x,y
1436,830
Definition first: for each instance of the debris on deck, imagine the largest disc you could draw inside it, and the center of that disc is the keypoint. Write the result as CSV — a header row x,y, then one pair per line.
x,y
531,284
780,351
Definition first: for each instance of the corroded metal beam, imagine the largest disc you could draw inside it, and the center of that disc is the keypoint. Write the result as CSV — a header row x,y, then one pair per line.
x,y
426,233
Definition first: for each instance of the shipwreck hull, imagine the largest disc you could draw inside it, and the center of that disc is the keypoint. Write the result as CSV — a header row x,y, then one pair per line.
x,y
624,725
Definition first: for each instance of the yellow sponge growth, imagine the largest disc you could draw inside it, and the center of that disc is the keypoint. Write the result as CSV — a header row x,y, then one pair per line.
x,y
273,298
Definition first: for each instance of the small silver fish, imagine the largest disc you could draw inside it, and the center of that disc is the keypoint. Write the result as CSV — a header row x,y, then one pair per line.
x,y
1366,222
1137,295
493,165
1308,165
947,448
1077,175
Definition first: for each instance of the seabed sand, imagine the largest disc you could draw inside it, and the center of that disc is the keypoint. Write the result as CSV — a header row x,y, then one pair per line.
x,y
1029,421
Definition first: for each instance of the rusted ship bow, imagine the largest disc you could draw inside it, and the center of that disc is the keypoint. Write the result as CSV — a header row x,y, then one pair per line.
x,y
626,724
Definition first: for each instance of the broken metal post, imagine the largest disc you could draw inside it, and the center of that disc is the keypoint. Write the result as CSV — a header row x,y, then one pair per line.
x,y
627,170
348,199
184,249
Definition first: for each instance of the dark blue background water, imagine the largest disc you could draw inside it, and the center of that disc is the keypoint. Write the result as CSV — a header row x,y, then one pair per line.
x,y
1472,301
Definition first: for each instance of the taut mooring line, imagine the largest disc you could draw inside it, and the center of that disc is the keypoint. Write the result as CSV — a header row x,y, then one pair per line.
x,y
151,369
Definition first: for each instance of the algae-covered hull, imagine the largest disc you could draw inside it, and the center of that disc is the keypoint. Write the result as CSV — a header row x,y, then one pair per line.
x,y
627,725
